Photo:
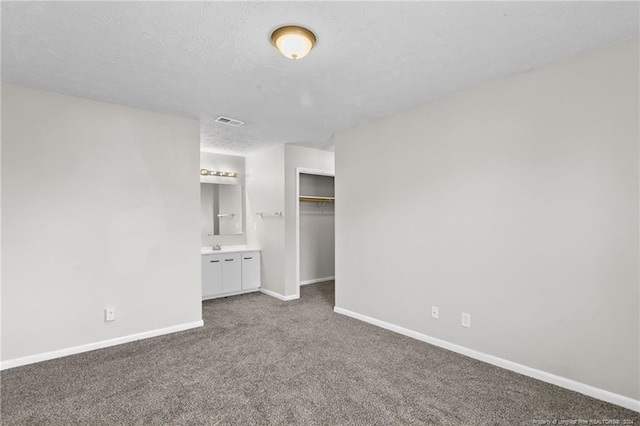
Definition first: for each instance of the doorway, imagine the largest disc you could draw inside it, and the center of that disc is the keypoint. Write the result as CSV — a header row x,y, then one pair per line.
x,y
315,226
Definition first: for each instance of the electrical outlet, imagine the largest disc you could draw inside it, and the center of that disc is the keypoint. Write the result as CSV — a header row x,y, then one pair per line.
x,y
466,320
435,312
110,313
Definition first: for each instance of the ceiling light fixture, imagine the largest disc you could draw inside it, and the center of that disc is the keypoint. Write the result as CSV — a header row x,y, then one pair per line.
x,y
207,172
293,42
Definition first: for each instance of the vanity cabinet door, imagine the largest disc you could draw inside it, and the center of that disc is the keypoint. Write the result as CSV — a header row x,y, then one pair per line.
x,y
211,275
250,270
231,273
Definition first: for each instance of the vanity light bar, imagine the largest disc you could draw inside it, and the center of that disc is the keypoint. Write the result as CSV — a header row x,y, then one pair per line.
x,y
207,172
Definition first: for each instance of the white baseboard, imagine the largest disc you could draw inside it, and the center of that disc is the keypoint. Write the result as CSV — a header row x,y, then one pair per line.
x,y
31,359
278,295
231,293
563,382
317,280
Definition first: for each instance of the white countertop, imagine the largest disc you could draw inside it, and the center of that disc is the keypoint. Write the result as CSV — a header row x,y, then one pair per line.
x,y
227,249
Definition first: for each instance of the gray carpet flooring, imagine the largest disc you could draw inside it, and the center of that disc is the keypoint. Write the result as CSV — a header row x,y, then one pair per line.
x,y
258,360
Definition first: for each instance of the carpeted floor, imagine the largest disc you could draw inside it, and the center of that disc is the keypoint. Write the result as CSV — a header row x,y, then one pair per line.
x,y
258,360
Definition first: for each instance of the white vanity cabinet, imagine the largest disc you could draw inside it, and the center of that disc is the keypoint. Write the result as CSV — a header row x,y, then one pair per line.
x,y
251,270
227,273
211,275
231,273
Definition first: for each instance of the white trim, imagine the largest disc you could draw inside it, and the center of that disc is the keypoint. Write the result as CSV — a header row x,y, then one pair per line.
x,y
278,295
231,293
308,171
604,395
297,219
319,172
31,359
317,280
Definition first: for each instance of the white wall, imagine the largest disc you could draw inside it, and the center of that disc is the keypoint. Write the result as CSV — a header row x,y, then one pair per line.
x,y
265,193
297,156
271,187
317,229
516,202
226,163
99,207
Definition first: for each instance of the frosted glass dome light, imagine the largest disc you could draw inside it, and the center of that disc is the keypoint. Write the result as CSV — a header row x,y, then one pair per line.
x,y
293,42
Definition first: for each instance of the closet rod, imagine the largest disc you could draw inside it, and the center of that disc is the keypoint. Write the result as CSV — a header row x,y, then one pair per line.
x,y
318,200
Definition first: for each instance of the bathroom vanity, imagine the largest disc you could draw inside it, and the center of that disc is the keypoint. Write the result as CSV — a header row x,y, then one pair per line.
x,y
234,269
230,271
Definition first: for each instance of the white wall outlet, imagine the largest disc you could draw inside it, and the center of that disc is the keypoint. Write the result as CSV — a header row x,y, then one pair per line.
x,y
466,320
435,312
110,313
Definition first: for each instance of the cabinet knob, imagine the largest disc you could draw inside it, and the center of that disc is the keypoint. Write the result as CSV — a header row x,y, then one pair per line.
x,y
228,260
214,261
248,258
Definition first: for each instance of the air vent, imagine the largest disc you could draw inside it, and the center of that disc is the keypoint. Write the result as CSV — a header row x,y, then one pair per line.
x,y
229,121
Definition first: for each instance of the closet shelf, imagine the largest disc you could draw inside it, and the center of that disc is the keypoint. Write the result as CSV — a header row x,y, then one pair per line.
x,y
312,199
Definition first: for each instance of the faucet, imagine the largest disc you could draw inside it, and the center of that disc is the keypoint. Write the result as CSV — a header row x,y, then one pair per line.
x,y
216,247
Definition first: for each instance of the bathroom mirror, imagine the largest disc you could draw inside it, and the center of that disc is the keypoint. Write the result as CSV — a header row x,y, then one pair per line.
x,y
221,209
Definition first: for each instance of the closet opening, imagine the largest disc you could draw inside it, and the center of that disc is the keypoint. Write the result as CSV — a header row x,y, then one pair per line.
x,y
315,228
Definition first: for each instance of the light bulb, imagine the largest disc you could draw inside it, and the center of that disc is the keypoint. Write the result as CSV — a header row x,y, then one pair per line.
x,y
294,46
293,42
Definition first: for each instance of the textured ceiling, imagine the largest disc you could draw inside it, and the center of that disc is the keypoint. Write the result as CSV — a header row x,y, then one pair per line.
x,y
206,59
